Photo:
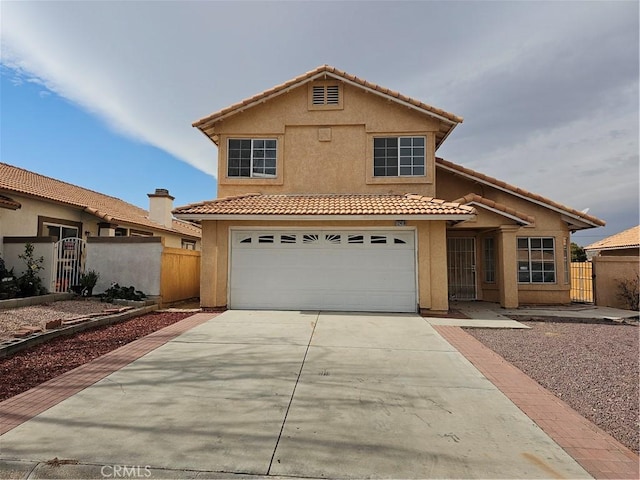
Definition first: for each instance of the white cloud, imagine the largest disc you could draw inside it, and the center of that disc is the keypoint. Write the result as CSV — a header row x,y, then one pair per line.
x,y
549,90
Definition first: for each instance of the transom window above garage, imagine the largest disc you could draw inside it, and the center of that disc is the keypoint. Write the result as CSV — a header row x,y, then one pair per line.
x,y
327,238
252,158
399,156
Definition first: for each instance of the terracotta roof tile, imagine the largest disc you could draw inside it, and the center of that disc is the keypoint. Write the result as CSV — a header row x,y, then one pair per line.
x,y
256,204
512,188
626,239
473,197
9,203
203,123
18,180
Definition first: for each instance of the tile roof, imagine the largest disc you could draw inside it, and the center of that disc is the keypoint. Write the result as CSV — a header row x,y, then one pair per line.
x,y
9,203
474,198
451,119
626,239
595,221
110,209
336,204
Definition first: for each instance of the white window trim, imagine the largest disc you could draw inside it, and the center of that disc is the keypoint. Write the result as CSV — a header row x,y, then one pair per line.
x,y
251,172
399,137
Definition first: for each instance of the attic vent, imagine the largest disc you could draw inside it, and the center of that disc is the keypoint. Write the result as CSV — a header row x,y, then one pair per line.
x,y
333,95
325,95
318,95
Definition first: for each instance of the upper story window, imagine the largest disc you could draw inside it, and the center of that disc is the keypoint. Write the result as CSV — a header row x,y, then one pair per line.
x,y
252,158
398,156
325,95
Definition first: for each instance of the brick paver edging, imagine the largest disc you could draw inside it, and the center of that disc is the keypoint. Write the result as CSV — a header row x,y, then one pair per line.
x,y
26,405
595,450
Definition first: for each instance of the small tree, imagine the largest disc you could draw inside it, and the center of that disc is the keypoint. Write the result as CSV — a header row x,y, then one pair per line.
x,y
577,253
30,283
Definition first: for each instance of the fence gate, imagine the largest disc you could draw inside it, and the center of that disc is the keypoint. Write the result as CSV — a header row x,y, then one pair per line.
x,y
581,282
68,263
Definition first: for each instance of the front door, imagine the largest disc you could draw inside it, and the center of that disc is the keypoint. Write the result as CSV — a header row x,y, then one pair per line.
x,y
461,266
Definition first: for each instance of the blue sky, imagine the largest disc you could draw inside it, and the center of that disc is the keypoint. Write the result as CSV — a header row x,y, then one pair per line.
x,y
103,94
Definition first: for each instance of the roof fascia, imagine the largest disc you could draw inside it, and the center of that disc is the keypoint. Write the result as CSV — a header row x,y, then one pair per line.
x,y
518,220
577,222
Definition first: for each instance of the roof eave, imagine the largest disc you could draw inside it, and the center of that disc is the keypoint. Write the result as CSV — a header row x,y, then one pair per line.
x,y
264,217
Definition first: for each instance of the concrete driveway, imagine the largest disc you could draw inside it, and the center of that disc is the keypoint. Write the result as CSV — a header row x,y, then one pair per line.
x,y
302,394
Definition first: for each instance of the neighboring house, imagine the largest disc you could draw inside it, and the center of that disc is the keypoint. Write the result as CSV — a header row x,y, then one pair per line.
x,y
124,243
626,243
330,196
33,205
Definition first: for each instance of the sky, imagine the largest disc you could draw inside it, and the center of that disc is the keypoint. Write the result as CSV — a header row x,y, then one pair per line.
x,y
103,94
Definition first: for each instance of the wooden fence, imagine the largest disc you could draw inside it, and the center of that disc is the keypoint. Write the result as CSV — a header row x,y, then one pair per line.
x,y
582,282
180,274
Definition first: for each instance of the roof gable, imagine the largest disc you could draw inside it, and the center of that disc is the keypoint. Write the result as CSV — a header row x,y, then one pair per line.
x,y
577,220
21,181
448,121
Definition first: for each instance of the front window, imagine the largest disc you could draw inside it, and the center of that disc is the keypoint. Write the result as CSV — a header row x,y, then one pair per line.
x,y
252,158
61,231
188,244
536,260
398,156
489,255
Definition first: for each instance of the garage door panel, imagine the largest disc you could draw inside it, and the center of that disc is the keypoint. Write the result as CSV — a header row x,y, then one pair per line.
x,y
322,271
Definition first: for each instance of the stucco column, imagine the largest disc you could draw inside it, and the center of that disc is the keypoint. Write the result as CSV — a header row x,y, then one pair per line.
x,y
508,266
208,265
438,260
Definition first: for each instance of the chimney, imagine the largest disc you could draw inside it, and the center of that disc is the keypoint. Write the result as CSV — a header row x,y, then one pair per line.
x,y
160,207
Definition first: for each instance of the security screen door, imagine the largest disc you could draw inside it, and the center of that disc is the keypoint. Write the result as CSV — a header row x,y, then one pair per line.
x,y
461,266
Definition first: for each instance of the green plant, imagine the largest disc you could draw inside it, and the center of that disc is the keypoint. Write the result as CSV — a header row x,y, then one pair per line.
x,y
629,292
88,280
30,283
8,287
115,291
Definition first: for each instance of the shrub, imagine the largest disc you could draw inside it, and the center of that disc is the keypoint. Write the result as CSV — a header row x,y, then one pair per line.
x,y
30,283
629,292
115,291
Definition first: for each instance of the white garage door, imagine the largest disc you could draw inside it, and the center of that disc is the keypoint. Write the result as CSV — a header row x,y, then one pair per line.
x,y
323,270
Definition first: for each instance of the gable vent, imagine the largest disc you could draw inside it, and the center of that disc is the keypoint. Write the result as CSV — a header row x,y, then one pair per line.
x,y
318,95
325,95
333,97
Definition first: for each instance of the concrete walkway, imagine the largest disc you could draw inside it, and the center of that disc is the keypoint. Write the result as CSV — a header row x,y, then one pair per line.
x,y
290,394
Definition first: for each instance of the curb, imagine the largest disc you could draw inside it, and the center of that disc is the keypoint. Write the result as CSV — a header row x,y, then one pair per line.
x,y
11,347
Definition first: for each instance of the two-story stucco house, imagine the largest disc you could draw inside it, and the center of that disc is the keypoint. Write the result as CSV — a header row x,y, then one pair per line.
x,y
331,197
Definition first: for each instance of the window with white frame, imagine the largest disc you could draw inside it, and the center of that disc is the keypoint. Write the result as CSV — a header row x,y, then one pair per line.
x,y
188,244
489,257
536,260
398,156
61,231
252,158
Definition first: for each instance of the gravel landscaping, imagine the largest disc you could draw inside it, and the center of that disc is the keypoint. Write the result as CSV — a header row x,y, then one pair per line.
x,y
592,367
43,362
38,315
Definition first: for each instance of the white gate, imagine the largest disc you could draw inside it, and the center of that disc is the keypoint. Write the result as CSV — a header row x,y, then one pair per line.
x,y
68,263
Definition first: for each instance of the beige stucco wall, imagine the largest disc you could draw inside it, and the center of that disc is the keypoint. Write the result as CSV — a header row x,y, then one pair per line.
x,y
430,246
547,223
608,273
327,151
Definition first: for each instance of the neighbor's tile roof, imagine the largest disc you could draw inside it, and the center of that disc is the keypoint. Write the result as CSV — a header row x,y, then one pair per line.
x,y
472,197
517,190
110,209
204,123
337,204
627,239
